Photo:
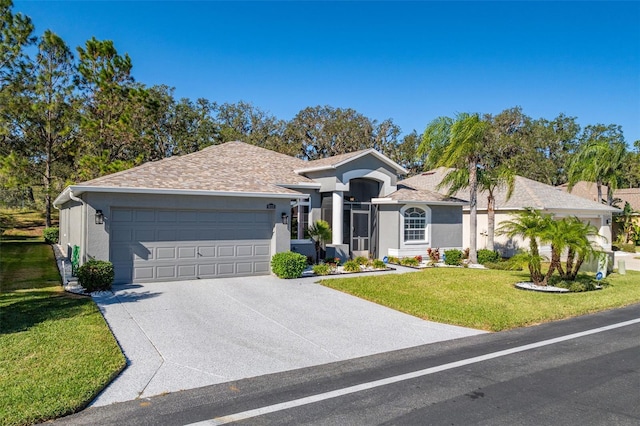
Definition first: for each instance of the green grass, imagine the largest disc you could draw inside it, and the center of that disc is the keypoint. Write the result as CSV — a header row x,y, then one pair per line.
x,y
484,299
56,352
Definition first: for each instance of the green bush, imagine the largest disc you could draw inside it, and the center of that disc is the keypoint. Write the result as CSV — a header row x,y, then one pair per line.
x,y
485,255
630,248
393,259
379,264
321,269
288,264
409,261
453,257
51,235
351,266
96,275
582,283
361,260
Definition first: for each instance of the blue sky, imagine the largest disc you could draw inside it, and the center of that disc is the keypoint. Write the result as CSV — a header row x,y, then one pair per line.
x,y
410,62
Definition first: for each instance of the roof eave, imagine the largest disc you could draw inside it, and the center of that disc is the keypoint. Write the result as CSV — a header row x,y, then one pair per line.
x,y
80,189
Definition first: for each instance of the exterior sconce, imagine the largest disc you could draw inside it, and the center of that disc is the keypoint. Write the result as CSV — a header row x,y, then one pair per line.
x,y
608,221
285,218
271,206
99,217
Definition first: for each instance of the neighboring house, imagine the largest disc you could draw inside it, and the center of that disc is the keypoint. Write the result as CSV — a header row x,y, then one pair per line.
x,y
225,210
589,191
527,193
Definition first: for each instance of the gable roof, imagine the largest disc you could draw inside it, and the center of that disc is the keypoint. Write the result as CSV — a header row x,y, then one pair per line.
x,y
585,189
526,193
630,195
229,168
409,194
336,161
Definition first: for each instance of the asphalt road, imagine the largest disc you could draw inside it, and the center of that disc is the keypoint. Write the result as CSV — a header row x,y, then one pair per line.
x,y
571,372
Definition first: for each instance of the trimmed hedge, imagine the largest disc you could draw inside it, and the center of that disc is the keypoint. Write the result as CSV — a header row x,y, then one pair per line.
x,y
51,235
96,275
453,257
288,264
488,256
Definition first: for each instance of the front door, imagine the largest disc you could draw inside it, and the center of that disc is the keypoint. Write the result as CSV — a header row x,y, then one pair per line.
x,y
360,229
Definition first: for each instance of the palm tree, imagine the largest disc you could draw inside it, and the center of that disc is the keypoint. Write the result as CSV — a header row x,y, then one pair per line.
x,y
488,181
599,159
577,237
320,232
532,225
457,143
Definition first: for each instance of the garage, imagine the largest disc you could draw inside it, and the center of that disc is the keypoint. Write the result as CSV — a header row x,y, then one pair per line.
x,y
155,244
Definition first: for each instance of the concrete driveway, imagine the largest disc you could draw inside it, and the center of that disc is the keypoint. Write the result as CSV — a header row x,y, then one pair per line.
x,y
188,334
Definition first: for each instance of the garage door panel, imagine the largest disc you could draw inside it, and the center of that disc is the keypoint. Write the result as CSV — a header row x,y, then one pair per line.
x,y
186,252
244,250
226,269
144,235
167,244
244,267
144,216
165,253
262,250
143,273
206,251
262,267
187,271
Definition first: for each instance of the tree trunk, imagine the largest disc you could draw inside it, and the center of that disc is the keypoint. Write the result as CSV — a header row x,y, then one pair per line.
x,y
473,212
491,222
599,187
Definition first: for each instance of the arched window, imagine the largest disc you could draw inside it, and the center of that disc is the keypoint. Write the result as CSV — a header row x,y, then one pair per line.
x,y
415,223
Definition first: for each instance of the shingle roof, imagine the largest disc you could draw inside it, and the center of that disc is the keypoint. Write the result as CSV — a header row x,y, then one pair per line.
x,y
337,160
232,167
406,193
630,195
585,189
526,193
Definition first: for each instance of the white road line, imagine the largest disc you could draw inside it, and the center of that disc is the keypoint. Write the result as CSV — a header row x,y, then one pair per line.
x,y
377,383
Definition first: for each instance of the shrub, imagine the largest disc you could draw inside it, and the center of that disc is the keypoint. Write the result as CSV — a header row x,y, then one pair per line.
x,y
361,260
96,275
332,261
582,283
418,258
434,254
453,257
379,264
321,269
51,235
288,264
630,248
393,259
351,266
409,261
485,255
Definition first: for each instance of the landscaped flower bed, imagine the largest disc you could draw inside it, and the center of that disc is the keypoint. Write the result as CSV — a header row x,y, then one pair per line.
x,y
357,265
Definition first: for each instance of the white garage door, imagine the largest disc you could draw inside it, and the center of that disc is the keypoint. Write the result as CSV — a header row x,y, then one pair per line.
x,y
161,245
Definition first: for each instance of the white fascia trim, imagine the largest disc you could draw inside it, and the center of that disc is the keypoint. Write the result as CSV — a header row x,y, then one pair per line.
x,y
77,190
428,203
372,151
313,185
565,209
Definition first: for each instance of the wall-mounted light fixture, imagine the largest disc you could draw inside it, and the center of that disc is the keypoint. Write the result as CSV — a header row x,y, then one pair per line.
x,y
271,206
99,217
608,221
285,218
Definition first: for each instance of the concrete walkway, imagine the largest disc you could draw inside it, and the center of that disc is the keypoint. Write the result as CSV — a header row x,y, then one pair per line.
x,y
183,335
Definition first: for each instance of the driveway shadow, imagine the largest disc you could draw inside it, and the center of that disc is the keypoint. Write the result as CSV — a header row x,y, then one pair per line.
x,y
121,294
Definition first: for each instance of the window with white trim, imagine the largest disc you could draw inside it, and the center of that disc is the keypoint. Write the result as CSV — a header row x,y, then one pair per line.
x,y
415,224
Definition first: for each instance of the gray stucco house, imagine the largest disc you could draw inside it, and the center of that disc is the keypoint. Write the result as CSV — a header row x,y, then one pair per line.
x,y
225,210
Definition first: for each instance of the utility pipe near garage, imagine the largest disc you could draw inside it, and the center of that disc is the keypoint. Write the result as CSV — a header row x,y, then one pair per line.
x,y
83,225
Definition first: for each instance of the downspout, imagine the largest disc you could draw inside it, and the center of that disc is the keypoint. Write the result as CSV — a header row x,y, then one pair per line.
x,y
83,225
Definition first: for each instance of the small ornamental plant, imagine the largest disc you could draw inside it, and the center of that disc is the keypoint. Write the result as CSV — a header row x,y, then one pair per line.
x,y
409,261
419,258
361,260
96,275
434,254
378,264
322,269
288,264
351,266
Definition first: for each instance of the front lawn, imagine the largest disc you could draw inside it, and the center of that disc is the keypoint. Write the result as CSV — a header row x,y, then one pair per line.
x,y
56,352
484,299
